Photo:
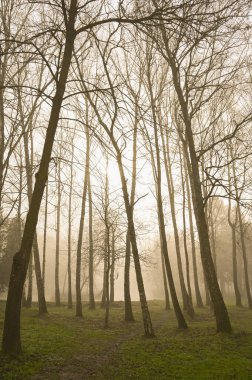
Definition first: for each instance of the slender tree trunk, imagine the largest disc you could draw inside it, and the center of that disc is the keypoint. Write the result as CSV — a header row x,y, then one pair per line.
x,y
30,281
105,271
11,333
148,328
187,302
167,299
242,237
112,270
127,298
199,301
106,267
19,215
29,166
128,312
232,225
45,235
2,126
156,166
57,251
162,233
81,230
185,227
244,256
69,240
91,244
106,287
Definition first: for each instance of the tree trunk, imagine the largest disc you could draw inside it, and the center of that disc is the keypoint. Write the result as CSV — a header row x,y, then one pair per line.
x,y
45,235
221,315
167,299
187,302
199,301
156,166
244,256
185,228
29,166
148,328
128,316
162,233
242,237
11,332
91,245
128,312
112,270
81,228
233,226
57,251
69,241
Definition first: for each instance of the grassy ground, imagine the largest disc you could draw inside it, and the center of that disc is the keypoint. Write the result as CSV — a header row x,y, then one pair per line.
x,y
60,346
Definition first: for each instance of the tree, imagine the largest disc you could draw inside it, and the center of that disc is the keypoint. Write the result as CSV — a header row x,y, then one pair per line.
x,y
182,65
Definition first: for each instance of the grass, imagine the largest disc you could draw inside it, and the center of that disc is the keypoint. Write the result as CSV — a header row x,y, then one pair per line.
x,y
61,346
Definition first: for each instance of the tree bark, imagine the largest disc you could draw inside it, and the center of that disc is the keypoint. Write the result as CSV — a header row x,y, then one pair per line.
x,y
233,226
128,312
45,235
29,166
187,302
11,333
81,230
112,270
242,237
148,328
91,246
57,251
199,301
167,299
185,227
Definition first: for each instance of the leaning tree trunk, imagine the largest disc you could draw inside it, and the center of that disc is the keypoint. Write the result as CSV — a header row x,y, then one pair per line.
x,y
11,333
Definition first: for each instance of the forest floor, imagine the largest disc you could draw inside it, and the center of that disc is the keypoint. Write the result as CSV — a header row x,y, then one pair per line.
x,y
63,347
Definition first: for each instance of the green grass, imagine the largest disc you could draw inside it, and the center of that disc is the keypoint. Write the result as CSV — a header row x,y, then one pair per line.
x,y
61,346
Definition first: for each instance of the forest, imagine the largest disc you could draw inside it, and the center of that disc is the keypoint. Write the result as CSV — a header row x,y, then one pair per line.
x,y
125,189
